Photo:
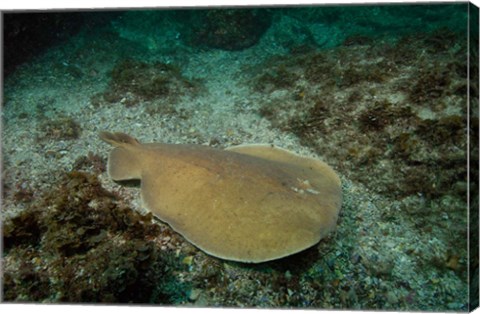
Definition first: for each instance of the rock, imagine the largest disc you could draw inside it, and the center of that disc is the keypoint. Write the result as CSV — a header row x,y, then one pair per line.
x,y
231,29
194,294
392,298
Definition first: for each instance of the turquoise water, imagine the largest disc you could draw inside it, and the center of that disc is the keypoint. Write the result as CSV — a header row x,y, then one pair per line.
x,y
235,29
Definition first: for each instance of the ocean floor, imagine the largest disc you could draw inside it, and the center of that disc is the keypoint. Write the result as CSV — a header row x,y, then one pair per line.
x,y
388,114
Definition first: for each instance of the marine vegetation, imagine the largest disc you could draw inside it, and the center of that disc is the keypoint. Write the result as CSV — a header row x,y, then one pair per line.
x,y
414,124
388,117
79,243
59,128
135,81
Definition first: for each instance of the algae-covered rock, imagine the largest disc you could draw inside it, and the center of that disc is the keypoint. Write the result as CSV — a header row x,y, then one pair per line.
x,y
231,29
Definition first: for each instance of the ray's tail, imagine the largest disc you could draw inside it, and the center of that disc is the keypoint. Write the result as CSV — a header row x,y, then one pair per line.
x,y
118,139
123,163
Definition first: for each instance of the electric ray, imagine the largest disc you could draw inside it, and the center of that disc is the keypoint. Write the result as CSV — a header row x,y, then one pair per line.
x,y
248,203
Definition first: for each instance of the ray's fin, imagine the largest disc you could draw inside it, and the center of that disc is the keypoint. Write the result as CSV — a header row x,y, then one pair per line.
x,y
123,163
118,139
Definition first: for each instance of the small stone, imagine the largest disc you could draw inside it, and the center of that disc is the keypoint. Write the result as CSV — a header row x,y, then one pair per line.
x,y
188,260
371,295
194,294
288,275
453,262
355,258
201,301
392,298
454,306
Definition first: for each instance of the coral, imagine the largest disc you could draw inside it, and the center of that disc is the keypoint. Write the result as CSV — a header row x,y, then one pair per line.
x,y
78,243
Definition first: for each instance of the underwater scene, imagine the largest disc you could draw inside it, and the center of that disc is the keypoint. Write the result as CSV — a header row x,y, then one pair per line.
x,y
313,157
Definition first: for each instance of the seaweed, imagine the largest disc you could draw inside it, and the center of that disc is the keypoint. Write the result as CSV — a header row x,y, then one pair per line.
x,y
354,74
133,81
380,142
313,123
79,243
440,40
59,128
317,67
382,114
431,83
446,130
92,162
357,40
401,52
24,229
404,145
277,78
23,193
